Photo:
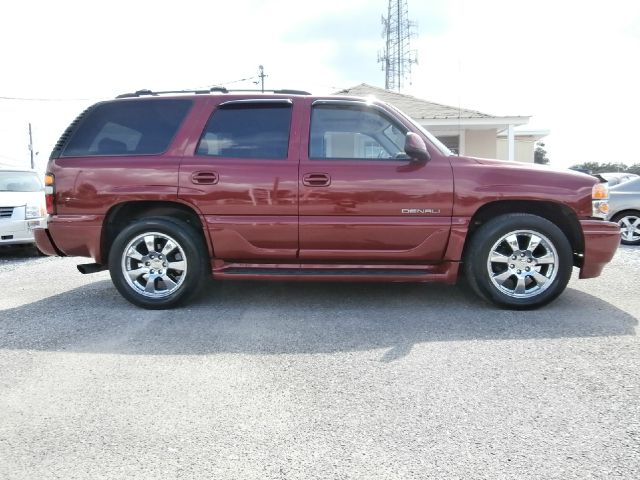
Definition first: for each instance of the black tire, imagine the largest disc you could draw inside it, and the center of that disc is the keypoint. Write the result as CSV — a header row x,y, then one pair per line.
x,y
177,270
518,261
629,228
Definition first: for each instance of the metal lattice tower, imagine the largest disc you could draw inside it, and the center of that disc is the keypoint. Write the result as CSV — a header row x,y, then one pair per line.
x,y
397,57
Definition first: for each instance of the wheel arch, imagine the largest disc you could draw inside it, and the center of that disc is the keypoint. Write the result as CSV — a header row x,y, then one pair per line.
x,y
624,212
123,214
559,214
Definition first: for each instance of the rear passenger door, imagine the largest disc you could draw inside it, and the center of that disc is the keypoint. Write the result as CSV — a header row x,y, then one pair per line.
x,y
244,178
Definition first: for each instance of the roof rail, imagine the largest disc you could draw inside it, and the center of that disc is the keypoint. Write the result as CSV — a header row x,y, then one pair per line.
x,y
282,91
140,93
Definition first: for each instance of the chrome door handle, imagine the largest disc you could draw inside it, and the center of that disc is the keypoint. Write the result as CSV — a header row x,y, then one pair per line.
x,y
316,180
204,178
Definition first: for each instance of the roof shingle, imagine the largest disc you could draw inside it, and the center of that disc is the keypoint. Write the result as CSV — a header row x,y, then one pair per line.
x,y
415,107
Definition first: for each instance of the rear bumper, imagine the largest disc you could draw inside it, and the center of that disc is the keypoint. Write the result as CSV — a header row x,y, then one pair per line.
x,y
74,236
44,243
601,240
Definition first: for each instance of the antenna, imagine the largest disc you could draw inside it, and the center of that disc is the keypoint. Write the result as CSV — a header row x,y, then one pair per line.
x,y
397,56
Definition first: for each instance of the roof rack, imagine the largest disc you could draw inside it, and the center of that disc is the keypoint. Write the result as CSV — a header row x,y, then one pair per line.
x,y
140,93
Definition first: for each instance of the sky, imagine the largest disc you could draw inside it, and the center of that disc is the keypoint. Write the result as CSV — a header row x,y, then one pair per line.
x,y
573,66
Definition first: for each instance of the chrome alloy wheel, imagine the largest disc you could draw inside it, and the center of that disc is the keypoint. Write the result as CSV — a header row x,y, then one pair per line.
x,y
522,264
630,228
154,265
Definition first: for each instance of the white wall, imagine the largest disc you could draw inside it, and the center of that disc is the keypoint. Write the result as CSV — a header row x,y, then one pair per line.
x,y
480,143
524,150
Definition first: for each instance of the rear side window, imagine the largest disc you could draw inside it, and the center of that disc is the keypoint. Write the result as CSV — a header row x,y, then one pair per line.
x,y
245,130
128,128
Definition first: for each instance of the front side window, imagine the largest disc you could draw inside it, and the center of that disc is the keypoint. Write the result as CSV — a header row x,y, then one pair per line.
x,y
245,130
128,127
354,132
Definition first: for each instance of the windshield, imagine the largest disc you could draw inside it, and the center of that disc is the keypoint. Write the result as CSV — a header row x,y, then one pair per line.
x,y
19,182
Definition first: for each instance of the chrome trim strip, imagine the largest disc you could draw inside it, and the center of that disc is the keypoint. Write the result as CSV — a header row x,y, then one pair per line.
x,y
286,101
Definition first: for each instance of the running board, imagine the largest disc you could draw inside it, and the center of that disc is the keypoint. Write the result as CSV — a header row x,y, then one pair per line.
x,y
444,272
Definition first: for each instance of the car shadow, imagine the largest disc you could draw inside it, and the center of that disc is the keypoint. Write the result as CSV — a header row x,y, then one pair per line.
x,y
296,318
18,253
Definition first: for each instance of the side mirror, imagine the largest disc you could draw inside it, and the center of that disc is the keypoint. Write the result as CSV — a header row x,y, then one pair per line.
x,y
415,147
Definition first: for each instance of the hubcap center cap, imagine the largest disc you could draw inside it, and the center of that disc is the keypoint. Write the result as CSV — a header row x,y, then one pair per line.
x,y
521,263
156,264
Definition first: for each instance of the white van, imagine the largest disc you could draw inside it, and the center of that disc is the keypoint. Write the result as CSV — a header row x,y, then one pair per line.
x,y
22,206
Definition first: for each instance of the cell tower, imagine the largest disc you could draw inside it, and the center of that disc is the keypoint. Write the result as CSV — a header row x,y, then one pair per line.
x,y
397,57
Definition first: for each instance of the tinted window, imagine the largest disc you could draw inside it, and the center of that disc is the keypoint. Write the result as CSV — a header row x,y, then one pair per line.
x,y
128,127
354,132
248,131
19,182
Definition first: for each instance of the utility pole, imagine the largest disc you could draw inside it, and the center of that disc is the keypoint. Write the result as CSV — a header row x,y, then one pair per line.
x,y
31,147
397,56
262,75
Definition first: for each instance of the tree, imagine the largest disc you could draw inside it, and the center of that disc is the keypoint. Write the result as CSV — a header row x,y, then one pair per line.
x,y
595,167
540,154
635,168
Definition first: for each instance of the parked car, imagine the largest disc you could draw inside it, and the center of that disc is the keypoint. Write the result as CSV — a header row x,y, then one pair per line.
x,y
624,209
615,178
164,190
22,206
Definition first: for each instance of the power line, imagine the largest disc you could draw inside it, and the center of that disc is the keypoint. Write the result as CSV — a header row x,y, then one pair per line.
x,y
27,99
223,83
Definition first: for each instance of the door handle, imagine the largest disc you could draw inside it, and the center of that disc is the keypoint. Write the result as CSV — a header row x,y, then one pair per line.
x,y
204,178
316,180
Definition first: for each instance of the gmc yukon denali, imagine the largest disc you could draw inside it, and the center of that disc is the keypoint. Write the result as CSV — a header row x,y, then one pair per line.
x,y
167,188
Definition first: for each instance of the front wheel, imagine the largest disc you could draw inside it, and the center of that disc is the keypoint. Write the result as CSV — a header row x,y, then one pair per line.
x,y
158,263
518,261
629,227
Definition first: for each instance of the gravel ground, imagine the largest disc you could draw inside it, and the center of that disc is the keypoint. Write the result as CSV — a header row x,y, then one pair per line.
x,y
291,380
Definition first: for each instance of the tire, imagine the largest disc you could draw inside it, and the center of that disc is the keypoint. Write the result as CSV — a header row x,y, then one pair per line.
x,y
629,227
168,251
518,261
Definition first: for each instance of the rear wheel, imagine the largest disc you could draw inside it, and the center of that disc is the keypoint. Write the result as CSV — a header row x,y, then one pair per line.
x,y
158,263
629,227
518,261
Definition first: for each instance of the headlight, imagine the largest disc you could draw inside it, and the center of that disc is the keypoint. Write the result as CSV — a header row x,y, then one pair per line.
x,y
600,200
33,211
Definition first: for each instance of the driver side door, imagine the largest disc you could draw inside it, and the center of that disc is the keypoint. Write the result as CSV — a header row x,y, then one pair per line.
x,y
360,197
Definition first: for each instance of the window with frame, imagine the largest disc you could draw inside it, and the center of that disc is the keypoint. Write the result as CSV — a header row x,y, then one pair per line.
x,y
248,130
128,127
356,132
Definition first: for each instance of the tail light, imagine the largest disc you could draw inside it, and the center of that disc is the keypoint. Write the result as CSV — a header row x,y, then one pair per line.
x,y
50,193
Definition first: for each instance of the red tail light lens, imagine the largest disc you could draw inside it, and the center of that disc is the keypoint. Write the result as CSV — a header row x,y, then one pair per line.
x,y
49,193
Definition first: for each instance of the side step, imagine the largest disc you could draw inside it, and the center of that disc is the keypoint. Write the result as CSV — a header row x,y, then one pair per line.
x,y
444,272
323,271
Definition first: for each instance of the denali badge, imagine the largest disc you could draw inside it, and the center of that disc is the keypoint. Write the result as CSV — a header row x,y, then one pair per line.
x,y
420,210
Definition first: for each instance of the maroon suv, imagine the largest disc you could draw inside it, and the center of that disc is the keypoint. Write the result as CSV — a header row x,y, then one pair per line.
x,y
165,190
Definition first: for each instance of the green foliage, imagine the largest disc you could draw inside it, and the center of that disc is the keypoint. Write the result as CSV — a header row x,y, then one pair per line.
x,y
540,154
596,167
635,168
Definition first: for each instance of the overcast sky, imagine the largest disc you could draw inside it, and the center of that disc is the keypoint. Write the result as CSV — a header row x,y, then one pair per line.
x,y
574,66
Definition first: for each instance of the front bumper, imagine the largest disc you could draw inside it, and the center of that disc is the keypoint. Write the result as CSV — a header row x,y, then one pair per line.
x,y
18,231
601,240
